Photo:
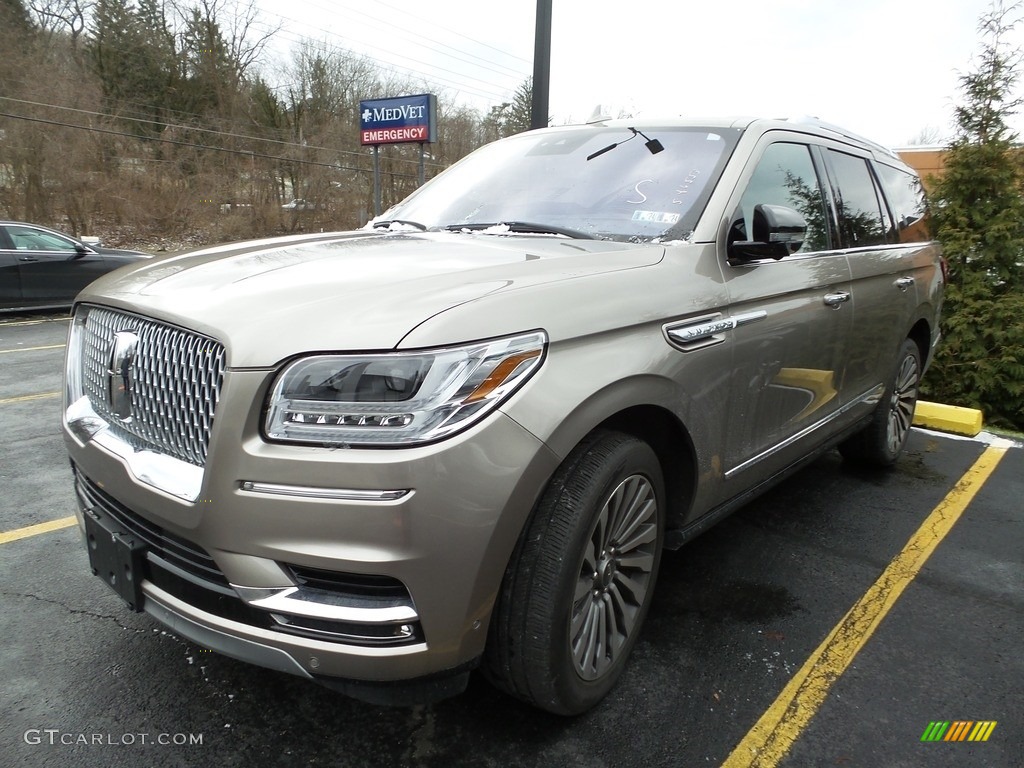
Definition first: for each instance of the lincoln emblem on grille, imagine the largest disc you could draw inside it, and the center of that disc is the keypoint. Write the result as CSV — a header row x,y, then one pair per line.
x,y
119,375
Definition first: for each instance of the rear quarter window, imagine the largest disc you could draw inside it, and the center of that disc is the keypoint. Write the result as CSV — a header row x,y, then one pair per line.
x,y
907,201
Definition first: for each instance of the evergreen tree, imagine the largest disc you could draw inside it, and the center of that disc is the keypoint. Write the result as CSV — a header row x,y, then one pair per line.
x,y
521,110
134,59
212,74
14,19
978,216
17,36
511,117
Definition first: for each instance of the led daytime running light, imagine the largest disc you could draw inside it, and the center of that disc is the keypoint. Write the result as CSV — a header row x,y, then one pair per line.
x,y
351,419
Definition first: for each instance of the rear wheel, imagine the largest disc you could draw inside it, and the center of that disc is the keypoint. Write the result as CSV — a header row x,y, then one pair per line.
x,y
581,580
882,441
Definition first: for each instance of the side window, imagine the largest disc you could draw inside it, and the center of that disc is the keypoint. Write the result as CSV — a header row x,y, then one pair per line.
x,y
906,198
785,175
863,220
28,239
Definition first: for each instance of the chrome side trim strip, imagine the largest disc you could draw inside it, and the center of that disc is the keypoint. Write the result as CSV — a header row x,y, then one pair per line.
x,y
337,494
871,397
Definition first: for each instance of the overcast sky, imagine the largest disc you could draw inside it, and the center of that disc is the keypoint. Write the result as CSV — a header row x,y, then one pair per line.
x,y
886,69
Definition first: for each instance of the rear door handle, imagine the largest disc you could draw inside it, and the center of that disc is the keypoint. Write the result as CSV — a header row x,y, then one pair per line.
x,y
835,300
27,258
904,282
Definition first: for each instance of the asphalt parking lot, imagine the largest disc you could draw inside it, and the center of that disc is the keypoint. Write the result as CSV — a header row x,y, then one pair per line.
x,y
829,623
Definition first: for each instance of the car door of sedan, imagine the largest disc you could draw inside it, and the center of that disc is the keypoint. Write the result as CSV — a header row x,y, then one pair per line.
x,y
793,319
52,269
10,279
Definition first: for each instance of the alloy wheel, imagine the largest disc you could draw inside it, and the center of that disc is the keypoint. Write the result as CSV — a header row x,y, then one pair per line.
x,y
614,577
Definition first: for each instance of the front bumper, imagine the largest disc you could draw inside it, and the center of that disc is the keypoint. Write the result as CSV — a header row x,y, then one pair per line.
x,y
272,566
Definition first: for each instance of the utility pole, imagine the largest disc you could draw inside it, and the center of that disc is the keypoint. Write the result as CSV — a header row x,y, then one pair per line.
x,y
541,66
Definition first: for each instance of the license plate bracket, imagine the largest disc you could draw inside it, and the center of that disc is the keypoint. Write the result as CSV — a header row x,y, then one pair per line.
x,y
116,556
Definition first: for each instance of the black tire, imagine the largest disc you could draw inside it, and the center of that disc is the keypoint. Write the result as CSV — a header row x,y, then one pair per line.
x,y
881,442
580,581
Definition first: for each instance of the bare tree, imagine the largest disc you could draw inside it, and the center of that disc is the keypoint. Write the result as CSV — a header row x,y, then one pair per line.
x,y
235,25
929,136
62,16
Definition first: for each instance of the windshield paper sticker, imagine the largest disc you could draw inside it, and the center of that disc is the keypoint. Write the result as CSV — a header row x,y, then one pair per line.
x,y
656,217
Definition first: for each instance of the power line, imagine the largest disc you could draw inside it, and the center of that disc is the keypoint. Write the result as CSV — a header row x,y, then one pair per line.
x,y
141,115
192,145
396,67
459,34
418,38
226,134
402,58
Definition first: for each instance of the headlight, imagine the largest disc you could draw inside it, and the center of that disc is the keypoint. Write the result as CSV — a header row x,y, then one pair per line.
x,y
401,398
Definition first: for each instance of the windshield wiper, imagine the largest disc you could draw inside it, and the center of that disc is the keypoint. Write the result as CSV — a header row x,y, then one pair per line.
x,y
524,227
389,222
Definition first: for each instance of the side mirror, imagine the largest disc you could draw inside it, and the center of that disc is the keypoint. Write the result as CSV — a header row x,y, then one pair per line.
x,y
81,250
778,231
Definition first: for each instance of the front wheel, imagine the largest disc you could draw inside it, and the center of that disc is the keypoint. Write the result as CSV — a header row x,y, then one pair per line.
x,y
882,441
581,579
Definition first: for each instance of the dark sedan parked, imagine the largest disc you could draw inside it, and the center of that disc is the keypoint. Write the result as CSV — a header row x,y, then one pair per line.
x,y
44,269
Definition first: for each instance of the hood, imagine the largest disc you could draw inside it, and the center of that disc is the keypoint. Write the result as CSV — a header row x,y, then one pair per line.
x,y
358,291
134,255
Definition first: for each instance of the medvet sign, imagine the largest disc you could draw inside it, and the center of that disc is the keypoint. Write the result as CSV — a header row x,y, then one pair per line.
x,y
403,120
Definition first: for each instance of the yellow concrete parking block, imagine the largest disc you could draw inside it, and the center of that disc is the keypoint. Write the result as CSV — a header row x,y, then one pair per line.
x,y
948,418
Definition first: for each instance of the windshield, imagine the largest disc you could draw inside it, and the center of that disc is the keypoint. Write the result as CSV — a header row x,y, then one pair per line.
x,y
625,193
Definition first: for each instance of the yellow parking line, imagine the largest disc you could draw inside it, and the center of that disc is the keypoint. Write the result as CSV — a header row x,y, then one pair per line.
x,y
32,349
35,530
14,323
26,398
780,726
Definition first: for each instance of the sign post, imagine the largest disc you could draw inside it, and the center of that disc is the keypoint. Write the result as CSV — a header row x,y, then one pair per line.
x,y
401,120
376,180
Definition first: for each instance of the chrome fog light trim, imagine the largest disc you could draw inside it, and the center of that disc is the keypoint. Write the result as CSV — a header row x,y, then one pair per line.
x,y
316,604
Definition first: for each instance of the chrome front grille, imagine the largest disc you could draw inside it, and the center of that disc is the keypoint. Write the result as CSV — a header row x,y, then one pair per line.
x,y
174,380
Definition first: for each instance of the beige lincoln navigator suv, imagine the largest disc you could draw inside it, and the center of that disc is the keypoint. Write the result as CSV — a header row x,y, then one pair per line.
x,y
462,437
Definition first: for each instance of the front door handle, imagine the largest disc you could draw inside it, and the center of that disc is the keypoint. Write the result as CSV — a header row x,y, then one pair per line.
x,y
835,300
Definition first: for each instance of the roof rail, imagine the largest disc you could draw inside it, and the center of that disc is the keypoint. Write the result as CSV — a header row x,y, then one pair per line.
x,y
810,120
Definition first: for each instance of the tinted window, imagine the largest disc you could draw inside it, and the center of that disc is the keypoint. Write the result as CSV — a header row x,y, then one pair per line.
x,y
862,219
29,239
906,199
785,175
